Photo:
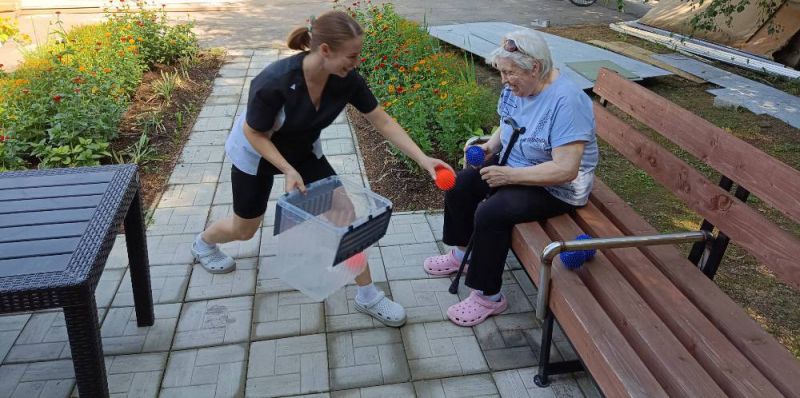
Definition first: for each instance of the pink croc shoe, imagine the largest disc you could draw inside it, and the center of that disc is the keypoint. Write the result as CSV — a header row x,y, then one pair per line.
x,y
475,309
444,264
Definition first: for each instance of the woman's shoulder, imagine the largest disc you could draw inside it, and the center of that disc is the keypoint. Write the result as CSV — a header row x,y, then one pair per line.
x,y
279,72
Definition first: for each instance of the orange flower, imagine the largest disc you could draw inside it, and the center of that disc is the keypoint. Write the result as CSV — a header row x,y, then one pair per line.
x,y
402,69
416,68
387,104
82,68
132,41
417,86
121,53
106,70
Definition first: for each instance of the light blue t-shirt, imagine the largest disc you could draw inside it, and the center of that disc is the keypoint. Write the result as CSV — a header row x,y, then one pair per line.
x,y
559,115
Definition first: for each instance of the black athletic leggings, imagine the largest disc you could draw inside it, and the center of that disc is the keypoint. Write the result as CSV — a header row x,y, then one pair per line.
x,y
492,221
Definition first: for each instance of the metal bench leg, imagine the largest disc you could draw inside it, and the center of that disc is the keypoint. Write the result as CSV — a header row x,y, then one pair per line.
x,y
139,264
547,369
83,328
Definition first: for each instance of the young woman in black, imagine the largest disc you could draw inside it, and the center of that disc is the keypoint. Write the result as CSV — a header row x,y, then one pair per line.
x,y
290,102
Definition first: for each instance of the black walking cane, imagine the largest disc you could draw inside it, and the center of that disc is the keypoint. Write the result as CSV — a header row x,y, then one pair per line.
x,y
517,131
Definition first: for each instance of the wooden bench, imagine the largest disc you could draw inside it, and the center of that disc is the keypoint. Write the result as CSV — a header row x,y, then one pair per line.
x,y
647,321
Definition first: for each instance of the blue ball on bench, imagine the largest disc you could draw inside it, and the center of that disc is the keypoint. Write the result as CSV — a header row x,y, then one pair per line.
x,y
573,260
474,156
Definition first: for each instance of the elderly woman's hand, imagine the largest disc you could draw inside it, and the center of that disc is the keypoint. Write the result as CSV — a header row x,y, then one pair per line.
x,y
497,176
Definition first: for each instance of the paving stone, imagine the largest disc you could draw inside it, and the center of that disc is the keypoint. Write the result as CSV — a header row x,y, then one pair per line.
x,y
511,341
53,379
241,64
134,376
286,314
221,110
336,131
122,335
436,221
170,249
232,99
224,194
225,176
341,119
184,195
195,173
388,391
338,146
229,81
268,281
205,285
288,366
587,385
425,300
210,138
481,385
214,372
178,220
519,383
407,229
167,282
118,257
43,338
344,164
10,328
525,284
202,154
366,358
517,300
230,72
405,261
341,314
107,287
442,349
225,90
214,322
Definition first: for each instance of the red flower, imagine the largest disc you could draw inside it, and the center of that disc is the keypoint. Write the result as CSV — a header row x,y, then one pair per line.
x,y
436,91
362,60
25,91
400,89
57,98
77,91
380,41
385,57
396,65
2,138
382,65
77,80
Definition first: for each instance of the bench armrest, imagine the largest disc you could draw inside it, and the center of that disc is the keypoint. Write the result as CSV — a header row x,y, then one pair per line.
x,y
550,252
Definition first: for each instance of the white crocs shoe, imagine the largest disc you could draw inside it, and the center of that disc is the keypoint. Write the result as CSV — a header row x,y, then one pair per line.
x,y
384,310
214,260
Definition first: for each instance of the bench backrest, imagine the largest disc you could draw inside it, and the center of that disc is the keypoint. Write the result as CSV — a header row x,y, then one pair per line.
x,y
772,181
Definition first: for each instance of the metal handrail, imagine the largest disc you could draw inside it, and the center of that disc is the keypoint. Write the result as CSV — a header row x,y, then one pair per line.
x,y
550,252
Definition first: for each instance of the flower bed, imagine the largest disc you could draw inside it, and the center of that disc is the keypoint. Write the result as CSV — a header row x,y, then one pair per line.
x,y
62,107
432,93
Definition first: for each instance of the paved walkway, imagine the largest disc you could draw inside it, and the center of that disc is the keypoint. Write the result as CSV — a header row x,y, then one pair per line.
x,y
248,334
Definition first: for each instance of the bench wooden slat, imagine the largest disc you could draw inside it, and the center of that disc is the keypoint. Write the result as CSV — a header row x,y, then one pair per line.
x,y
45,217
771,180
65,203
766,353
605,352
670,362
33,248
46,231
731,370
52,192
24,266
743,224
56,180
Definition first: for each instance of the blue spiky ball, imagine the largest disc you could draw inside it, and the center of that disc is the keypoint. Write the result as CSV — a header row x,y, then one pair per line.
x,y
474,156
589,253
573,259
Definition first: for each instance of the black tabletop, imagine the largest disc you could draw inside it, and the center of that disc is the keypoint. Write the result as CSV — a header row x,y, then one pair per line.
x,y
54,223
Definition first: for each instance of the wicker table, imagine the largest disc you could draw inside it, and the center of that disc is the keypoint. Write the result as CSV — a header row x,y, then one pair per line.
x,y
57,228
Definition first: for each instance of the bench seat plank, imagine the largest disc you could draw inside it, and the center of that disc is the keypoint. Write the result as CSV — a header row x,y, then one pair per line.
x,y
604,350
771,358
670,362
729,368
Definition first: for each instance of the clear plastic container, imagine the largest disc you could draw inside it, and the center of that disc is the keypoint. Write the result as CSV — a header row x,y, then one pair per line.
x,y
319,233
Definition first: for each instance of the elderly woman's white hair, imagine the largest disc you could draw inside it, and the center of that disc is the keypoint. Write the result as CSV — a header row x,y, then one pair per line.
x,y
531,48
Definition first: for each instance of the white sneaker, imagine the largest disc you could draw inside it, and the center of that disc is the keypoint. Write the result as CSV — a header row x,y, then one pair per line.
x,y
384,310
214,260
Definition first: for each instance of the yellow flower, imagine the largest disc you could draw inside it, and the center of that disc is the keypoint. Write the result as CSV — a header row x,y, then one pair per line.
x,y
443,83
410,103
108,34
417,86
422,62
391,89
132,41
140,39
443,96
95,89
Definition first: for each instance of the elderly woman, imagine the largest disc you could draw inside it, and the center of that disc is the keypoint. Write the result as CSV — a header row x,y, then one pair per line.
x,y
550,171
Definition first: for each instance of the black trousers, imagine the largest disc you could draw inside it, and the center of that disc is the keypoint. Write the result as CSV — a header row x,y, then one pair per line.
x,y
465,213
